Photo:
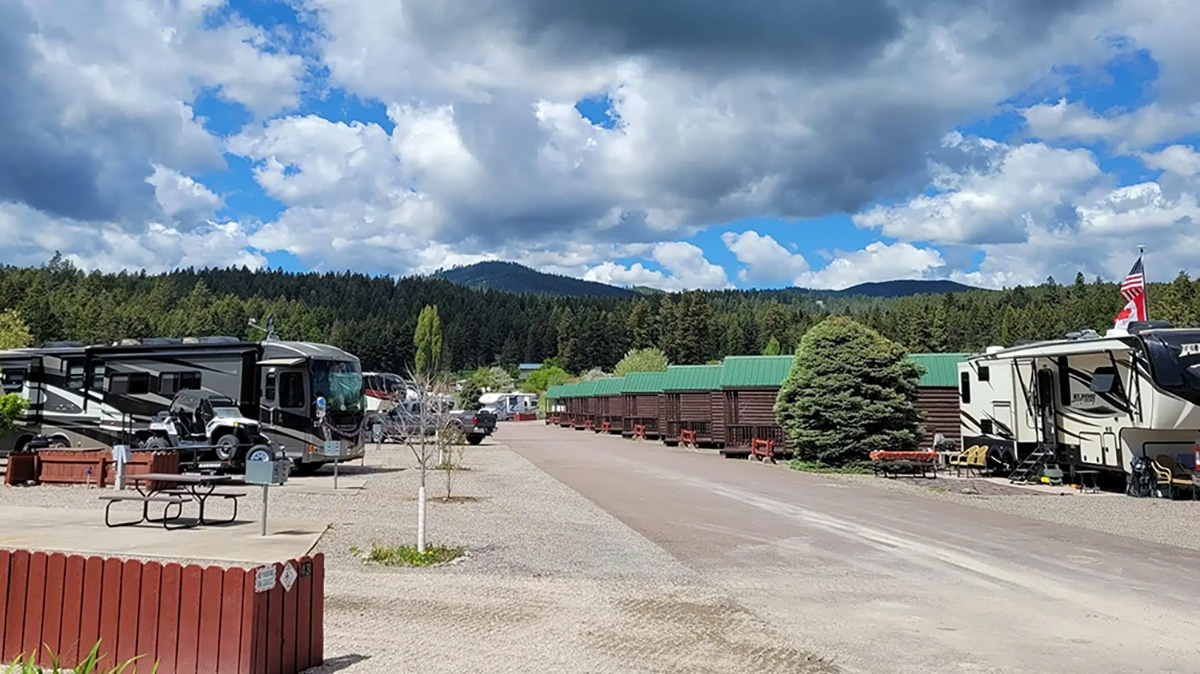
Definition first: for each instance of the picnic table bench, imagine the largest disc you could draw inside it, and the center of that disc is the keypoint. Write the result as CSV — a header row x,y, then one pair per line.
x,y
185,489
893,464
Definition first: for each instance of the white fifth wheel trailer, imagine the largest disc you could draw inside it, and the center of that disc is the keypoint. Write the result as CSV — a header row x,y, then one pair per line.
x,y
1088,401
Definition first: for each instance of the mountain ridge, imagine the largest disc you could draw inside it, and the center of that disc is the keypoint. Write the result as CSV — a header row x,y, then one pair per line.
x,y
518,279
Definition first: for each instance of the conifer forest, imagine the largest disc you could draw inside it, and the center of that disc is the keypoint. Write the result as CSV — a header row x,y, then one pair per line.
x,y
376,317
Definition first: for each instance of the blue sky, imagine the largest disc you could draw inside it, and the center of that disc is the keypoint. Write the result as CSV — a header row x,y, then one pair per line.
x,y
354,137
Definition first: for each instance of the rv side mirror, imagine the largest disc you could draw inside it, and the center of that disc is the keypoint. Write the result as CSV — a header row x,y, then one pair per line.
x,y
320,407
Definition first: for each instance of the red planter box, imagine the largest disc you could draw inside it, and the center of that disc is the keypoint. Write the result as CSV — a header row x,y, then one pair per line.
x,y
22,467
187,618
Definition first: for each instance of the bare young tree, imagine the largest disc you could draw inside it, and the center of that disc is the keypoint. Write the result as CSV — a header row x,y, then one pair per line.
x,y
424,422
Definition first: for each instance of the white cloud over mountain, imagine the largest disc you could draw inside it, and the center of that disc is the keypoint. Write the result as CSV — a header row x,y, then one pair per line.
x,y
722,112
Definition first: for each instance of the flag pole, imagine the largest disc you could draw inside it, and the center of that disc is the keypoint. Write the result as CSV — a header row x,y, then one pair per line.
x,y
1145,282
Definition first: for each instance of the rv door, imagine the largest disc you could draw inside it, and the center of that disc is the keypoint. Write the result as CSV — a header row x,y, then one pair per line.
x,y
283,401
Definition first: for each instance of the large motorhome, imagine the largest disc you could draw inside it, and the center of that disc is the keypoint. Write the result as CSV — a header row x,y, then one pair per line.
x,y
1091,401
103,395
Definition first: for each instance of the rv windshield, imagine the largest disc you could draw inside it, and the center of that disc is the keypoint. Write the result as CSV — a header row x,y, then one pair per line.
x,y
340,382
1175,361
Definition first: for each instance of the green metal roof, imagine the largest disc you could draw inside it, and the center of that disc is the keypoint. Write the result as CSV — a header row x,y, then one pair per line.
x,y
750,371
585,389
941,369
644,382
693,378
554,392
609,386
566,390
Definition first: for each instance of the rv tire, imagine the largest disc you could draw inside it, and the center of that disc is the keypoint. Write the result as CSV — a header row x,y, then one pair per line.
x,y
58,442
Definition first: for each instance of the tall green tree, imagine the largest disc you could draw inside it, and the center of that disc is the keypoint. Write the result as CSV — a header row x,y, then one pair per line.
x,y
772,348
641,360
14,332
428,340
850,391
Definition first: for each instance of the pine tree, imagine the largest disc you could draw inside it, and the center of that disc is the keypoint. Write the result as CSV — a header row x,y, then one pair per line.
x,y
850,391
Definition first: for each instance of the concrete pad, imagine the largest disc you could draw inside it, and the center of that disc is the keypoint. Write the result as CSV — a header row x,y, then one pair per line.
x,y
83,531
322,484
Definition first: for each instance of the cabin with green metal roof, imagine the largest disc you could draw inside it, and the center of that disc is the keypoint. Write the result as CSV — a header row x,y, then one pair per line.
x,y
610,404
693,402
642,393
582,413
749,386
937,395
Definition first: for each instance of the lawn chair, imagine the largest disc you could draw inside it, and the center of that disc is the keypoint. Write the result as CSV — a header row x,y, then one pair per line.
x,y
973,458
1168,473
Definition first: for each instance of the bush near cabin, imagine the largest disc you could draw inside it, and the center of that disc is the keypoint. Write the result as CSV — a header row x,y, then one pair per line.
x,y
851,391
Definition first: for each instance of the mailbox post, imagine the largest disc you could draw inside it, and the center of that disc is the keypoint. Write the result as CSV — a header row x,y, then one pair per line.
x,y
266,474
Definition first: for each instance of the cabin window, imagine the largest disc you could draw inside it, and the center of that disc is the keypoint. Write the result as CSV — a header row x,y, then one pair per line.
x,y
130,383
75,377
964,387
13,380
1106,380
269,387
985,373
291,390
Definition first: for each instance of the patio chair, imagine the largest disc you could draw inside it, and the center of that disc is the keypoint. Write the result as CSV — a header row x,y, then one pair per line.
x,y
1169,473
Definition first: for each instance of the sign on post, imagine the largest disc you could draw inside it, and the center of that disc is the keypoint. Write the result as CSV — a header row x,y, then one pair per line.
x,y
333,449
288,577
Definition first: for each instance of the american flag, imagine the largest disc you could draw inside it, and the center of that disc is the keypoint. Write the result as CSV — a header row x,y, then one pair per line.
x,y
1134,283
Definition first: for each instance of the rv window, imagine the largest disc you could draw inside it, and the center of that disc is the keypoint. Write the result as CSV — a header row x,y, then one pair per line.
x,y
132,383
986,427
97,382
75,376
13,380
985,373
1105,380
291,390
269,387
964,387
189,381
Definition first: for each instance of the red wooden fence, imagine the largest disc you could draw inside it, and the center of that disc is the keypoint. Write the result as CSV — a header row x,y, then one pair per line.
x,y
71,466
190,619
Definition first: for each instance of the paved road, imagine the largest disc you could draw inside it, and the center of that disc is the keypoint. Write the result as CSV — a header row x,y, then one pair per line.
x,y
889,582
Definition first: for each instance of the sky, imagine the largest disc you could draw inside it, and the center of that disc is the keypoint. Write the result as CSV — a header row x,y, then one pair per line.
x,y
671,143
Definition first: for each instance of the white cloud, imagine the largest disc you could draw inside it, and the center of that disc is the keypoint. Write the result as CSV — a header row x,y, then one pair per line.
x,y
994,197
877,262
1178,159
766,260
1131,131
1037,211
686,269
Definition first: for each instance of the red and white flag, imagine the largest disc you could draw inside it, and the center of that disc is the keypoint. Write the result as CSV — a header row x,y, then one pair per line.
x,y
1133,289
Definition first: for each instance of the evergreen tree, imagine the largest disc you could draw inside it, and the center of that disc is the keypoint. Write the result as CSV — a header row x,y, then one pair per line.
x,y
468,396
850,391
428,340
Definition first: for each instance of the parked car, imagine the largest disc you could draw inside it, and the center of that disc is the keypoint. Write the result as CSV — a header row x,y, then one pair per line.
x,y
475,425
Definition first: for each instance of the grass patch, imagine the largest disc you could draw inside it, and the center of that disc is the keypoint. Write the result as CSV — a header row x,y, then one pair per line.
x,y
407,555
814,467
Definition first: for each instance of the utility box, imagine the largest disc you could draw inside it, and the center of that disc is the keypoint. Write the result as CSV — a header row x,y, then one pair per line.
x,y
267,472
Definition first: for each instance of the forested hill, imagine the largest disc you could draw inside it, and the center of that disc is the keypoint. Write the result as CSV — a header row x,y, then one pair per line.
x,y
515,278
374,317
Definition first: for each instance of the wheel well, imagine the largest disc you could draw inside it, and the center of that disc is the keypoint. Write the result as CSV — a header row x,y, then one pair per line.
x,y
22,441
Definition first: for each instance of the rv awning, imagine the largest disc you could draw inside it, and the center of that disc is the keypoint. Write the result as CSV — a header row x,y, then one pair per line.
x,y
282,362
